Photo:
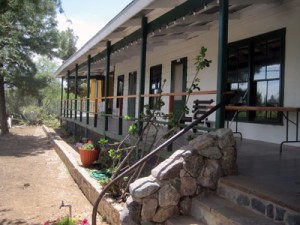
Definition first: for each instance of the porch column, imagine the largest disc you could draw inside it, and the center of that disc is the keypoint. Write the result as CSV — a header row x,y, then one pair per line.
x,y
68,93
222,61
88,90
108,51
62,99
76,90
142,71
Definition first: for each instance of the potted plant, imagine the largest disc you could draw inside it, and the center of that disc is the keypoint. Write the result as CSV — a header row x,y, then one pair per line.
x,y
88,153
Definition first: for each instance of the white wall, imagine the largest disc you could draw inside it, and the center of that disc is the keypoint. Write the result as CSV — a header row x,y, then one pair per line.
x,y
254,21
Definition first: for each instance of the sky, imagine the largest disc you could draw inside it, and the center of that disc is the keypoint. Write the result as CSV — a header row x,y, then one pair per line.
x,y
87,17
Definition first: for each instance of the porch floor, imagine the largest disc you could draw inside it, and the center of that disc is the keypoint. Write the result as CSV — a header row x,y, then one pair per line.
x,y
262,161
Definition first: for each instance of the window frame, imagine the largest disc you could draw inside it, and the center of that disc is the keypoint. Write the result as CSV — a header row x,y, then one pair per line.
x,y
152,100
250,116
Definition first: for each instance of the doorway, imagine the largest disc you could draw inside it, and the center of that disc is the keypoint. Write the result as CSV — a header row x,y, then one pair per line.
x,y
132,91
178,85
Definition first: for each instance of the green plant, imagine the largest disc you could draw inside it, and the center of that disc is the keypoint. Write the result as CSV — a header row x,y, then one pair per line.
x,y
88,146
67,221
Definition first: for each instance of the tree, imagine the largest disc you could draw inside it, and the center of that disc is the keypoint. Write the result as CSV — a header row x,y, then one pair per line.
x,y
27,28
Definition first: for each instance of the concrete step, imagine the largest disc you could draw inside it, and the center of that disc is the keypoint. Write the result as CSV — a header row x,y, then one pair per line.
x,y
264,199
183,220
214,210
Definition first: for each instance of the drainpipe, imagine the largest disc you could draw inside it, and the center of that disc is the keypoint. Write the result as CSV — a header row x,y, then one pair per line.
x,y
222,61
142,71
108,52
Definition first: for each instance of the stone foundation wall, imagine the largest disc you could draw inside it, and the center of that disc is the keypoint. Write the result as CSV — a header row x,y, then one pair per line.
x,y
189,171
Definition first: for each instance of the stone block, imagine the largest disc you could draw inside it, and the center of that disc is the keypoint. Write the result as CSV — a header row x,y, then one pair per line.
x,y
210,174
193,165
225,137
243,200
211,152
168,195
149,208
165,213
279,213
203,141
258,205
130,215
183,152
185,206
229,161
143,187
293,219
270,211
188,186
168,169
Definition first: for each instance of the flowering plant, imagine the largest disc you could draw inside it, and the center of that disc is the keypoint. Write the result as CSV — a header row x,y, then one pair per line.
x,y
66,220
87,146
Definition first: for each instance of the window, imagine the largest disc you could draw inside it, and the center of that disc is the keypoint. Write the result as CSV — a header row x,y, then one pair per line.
x,y
155,85
120,89
255,71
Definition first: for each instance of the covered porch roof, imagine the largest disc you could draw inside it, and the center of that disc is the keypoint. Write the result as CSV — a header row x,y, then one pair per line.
x,y
167,21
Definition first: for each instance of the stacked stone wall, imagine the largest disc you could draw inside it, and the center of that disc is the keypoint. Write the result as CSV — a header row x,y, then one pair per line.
x,y
189,171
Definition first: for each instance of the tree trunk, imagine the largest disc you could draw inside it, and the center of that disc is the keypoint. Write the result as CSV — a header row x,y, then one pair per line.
x,y
3,116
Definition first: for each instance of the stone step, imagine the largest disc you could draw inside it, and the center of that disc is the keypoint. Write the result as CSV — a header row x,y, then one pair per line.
x,y
183,220
214,210
264,199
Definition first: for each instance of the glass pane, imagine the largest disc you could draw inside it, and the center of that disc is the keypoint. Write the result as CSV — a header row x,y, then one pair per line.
x,y
243,75
273,71
261,93
231,77
233,86
273,93
260,55
178,73
259,72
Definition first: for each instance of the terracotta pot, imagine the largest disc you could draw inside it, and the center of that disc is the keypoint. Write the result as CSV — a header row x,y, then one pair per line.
x,y
87,157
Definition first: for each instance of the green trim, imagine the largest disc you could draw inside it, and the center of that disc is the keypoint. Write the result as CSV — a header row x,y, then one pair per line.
x,y
76,91
108,52
62,111
144,23
68,92
88,89
222,61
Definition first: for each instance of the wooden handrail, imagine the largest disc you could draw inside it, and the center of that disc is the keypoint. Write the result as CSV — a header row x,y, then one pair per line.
x,y
261,108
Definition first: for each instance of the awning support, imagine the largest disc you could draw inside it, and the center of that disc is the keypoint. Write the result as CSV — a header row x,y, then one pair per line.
x,y
222,61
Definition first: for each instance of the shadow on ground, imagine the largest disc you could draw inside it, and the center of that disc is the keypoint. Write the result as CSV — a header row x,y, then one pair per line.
x,y
23,145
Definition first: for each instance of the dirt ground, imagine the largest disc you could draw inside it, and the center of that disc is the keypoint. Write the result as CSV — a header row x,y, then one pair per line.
x,y
34,181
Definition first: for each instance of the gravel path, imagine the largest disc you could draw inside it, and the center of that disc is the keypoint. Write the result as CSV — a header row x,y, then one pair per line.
x,y
34,181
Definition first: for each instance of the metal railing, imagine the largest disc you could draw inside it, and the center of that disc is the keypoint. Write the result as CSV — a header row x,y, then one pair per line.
x,y
154,152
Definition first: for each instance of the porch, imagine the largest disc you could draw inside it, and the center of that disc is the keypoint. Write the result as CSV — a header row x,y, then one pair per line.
x,y
256,159
262,161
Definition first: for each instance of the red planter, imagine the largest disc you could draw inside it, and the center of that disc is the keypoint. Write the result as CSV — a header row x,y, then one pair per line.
x,y
87,157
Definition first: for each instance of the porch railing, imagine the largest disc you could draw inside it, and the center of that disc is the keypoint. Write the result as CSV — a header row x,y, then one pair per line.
x,y
77,108
154,152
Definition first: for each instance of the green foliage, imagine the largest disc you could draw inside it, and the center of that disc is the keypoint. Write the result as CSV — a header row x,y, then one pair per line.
x,y
201,62
132,129
67,221
28,28
114,153
32,114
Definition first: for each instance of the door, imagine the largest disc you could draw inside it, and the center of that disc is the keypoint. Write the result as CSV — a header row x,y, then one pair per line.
x,y
178,84
120,89
131,91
